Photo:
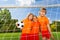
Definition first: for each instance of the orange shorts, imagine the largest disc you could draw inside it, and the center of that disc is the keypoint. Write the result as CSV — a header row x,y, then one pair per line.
x,y
29,37
46,34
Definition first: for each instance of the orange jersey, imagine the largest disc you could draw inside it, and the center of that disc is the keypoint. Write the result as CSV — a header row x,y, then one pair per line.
x,y
35,28
43,22
27,26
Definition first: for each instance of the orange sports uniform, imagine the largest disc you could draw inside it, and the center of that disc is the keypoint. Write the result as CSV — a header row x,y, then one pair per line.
x,y
43,25
27,26
35,28
35,31
26,31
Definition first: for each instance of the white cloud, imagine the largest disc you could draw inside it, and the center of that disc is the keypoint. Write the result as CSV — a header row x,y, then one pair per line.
x,y
25,2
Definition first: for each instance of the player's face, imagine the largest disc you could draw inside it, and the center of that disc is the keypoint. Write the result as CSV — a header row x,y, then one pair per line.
x,y
30,17
34,19
42,13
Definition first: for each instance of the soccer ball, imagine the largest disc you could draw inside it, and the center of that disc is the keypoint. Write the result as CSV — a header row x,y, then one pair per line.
x,y
20,24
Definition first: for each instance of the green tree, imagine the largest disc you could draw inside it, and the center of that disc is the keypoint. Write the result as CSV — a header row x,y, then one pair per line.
x,y
53,26
58,26
6,23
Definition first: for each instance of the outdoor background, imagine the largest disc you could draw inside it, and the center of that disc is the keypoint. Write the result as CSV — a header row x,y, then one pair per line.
x,y
9,16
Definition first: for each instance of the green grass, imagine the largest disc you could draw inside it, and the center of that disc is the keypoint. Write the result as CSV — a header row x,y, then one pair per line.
x,y
9,36
16,36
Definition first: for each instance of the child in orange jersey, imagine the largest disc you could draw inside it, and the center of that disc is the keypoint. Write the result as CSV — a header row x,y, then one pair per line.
x,y
44,25
35,29
27,27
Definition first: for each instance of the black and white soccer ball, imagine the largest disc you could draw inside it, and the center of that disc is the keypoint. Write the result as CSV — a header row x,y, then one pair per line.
x,y
20,24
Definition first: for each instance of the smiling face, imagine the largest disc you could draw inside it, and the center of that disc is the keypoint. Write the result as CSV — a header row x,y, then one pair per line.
x,y
34,18
42,12
30,16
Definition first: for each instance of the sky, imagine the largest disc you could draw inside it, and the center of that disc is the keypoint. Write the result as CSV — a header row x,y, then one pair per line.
x,y
21,13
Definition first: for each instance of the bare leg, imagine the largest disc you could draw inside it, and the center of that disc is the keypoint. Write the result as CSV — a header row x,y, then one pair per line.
x,y
44,38
48,39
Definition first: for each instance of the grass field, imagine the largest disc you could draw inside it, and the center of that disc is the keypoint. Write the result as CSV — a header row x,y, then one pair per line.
x,y
16,36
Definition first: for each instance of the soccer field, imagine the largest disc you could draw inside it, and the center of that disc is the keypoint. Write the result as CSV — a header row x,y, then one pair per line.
x,y
16,36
